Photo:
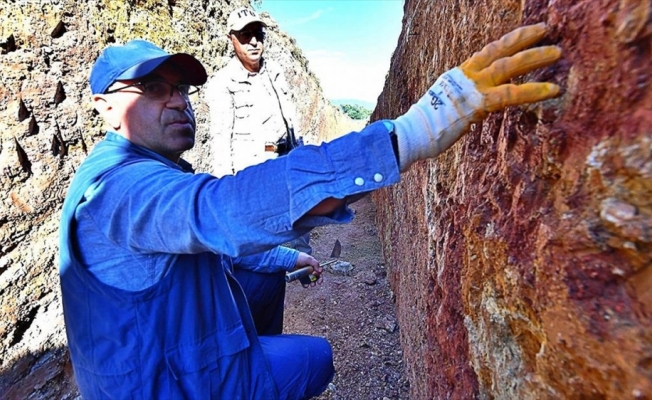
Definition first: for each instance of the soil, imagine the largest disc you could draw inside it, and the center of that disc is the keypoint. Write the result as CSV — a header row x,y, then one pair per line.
x,y
354,311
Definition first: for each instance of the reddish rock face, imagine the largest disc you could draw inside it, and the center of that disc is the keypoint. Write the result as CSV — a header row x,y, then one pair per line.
x,y
521,258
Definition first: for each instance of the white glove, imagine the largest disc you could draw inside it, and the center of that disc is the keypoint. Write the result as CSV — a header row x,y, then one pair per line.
x,y
466,94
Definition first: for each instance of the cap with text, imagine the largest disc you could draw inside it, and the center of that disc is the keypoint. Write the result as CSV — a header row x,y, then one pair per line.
x,y
138,58
242,17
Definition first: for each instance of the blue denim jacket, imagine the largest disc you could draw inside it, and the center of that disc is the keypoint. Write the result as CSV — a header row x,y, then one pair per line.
x,y
188,333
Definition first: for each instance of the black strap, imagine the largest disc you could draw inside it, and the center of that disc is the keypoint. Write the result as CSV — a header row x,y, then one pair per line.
x,y
291,140
394,139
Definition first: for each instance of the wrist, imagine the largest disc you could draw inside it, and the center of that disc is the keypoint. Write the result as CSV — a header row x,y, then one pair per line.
x,y
438,119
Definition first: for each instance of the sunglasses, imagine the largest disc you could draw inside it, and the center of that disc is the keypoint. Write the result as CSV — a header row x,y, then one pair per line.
x,y
245,36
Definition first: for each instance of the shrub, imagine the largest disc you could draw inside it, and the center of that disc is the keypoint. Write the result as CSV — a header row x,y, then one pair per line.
x,y
355,111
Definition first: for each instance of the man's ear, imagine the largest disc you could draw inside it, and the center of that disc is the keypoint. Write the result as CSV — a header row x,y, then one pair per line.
x,y
104,106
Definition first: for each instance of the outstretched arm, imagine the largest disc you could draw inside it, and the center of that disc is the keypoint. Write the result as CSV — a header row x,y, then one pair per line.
x,y
466,94
139,204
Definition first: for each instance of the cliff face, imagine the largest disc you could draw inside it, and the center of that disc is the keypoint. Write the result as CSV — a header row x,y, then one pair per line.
x,y
48,126
521,257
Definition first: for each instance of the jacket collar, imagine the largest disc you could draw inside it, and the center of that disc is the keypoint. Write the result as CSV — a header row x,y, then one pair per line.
x,y
241,74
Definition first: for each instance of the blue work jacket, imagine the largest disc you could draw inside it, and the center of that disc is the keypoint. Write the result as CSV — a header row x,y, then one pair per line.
x,y
189,333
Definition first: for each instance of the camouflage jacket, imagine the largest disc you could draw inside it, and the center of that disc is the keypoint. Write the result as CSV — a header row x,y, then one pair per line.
x,y
247,110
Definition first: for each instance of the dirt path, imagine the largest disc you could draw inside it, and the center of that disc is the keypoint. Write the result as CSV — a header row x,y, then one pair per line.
x,y
355,313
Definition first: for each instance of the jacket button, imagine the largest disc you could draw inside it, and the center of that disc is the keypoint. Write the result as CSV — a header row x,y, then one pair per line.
x,y
359,181
378,178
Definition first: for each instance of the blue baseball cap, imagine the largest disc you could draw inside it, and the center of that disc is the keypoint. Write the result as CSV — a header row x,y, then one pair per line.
x,y
138,58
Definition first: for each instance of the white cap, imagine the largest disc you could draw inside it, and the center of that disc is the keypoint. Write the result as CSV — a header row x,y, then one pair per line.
x,y
242,17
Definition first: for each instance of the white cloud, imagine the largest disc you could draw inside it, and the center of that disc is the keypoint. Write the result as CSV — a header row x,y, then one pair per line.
x,y
312,17
345,77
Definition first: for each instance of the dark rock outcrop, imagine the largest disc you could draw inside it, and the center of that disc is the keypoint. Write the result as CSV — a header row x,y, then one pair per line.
x,y
48,126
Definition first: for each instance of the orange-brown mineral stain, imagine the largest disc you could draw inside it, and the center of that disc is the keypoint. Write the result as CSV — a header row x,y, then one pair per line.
x,y
631,22
20,203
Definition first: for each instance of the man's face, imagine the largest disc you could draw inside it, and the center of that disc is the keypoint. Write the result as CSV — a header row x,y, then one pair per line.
x,y
162,123
248,45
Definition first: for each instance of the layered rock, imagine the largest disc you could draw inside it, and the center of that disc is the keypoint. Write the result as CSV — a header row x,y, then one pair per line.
x,y
521,258
48,126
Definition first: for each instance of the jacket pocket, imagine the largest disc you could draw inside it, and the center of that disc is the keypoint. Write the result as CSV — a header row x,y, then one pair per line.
x,y
193,357
108,381
195,369
242,102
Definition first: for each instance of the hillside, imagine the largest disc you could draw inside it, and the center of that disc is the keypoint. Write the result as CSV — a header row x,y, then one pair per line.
x,y
47,126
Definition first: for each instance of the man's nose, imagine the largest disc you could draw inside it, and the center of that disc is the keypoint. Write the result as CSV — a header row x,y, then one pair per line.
x,y
177,100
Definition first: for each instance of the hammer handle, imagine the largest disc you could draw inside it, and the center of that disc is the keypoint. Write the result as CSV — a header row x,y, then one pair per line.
x,y
298,274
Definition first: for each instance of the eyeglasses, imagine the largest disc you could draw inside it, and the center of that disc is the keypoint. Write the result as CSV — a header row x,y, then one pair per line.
x,y
160,91
245,36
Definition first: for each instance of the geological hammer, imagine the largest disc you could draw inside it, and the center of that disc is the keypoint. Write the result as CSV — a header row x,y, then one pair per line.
x,y
305,276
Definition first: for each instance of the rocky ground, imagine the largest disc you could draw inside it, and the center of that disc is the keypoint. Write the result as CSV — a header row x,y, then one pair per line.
x,y
354,311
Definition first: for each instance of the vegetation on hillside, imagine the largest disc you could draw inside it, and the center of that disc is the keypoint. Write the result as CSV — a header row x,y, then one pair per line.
x,y
355,111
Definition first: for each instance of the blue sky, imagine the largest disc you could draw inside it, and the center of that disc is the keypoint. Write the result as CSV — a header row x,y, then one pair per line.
x,y
348,43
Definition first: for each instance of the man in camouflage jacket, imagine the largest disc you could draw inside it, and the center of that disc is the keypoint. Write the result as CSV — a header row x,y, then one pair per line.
x,y
250,106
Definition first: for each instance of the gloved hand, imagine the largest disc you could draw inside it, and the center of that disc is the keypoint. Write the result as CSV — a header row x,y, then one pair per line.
x,y
466,94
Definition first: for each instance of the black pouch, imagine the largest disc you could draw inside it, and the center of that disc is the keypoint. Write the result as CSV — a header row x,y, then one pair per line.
x,y
282,147
288,143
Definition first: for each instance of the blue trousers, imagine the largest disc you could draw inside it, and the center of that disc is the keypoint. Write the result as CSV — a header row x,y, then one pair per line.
x,y
302,365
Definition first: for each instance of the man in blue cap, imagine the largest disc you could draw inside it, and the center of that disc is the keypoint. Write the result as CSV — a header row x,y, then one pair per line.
x,y
152,311
147,248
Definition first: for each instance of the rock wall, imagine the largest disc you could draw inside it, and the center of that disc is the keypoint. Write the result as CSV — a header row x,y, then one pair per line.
x,y
521,258
48,126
